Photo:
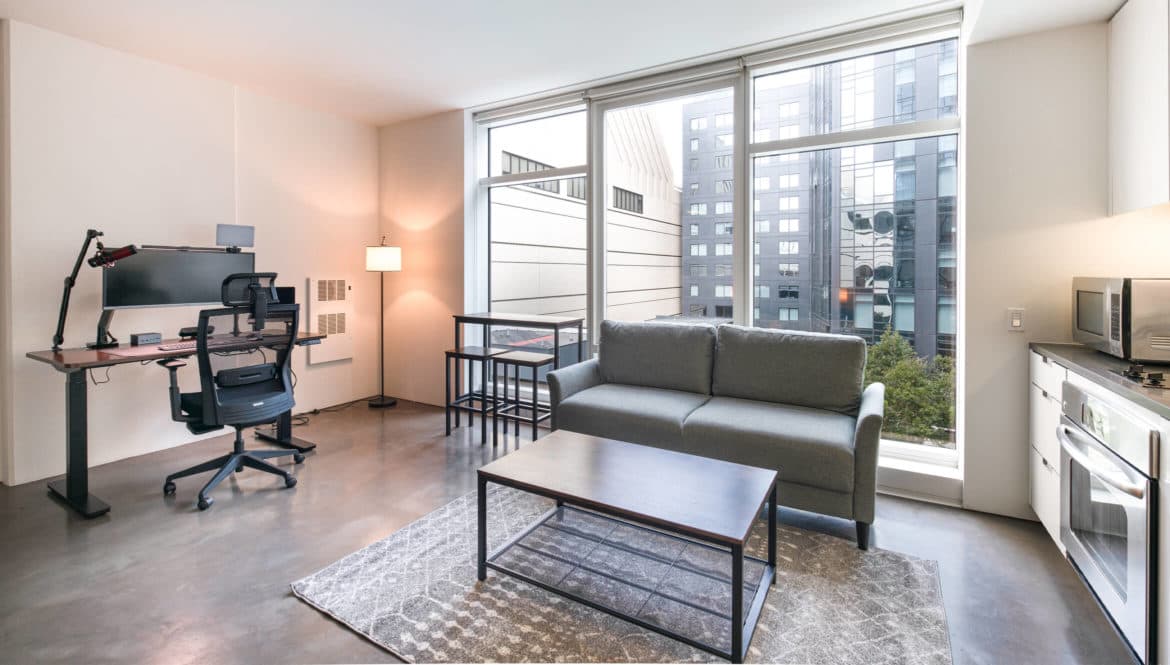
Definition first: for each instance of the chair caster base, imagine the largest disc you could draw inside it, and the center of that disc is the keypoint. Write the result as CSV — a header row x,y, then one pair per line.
x,y
290,481
169,488
298,458
205,502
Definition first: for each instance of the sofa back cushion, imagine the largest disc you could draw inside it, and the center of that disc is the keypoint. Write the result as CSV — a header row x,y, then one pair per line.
x,y
816,370
674,356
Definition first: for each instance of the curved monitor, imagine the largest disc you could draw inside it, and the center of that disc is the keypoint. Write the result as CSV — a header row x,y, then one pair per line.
x,y
171,277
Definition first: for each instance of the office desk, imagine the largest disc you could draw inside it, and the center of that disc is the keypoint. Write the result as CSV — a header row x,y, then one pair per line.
x,y
74,363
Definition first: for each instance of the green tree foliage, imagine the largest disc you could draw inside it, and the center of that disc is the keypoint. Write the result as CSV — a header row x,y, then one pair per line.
x,y
920,393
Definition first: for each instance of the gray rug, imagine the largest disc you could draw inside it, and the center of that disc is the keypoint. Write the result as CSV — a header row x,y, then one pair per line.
x,y
415,594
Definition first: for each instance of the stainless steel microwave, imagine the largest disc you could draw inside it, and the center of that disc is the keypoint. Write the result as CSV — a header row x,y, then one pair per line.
x,y
1127,317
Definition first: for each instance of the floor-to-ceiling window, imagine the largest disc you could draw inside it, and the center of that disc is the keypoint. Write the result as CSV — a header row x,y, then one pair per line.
x,y
798,189
673,257
536,231
860,239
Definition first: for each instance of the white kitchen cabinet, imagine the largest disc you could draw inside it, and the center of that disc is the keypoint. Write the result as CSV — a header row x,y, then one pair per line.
x,y
1046,374
1044,492
1044,409
1139,106
1043,417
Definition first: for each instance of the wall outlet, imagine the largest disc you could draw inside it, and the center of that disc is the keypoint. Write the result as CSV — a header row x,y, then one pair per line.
x,y
1016,319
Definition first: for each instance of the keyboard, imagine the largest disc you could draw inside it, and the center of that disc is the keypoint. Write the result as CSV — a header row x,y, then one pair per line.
x,y
189,345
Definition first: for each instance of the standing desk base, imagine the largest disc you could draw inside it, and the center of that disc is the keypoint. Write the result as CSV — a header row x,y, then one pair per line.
x,y
88,506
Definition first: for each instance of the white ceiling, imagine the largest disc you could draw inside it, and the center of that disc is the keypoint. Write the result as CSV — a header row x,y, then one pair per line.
x,y
999,19
386,60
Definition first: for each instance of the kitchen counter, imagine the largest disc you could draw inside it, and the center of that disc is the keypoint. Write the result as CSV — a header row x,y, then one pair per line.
x,y
1106,371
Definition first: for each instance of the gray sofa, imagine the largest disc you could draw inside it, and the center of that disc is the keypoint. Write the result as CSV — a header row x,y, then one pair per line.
x,y
777,399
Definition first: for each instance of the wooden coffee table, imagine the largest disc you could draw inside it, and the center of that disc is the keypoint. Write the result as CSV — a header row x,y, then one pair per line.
x,y
633,526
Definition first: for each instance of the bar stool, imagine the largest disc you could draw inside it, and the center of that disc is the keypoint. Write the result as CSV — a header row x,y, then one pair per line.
x,y
508,407
463,401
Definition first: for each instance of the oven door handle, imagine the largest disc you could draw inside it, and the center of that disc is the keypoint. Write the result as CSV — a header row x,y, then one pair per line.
x,y
1077,452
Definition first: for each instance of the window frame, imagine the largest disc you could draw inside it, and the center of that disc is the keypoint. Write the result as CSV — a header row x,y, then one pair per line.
x,y
739,73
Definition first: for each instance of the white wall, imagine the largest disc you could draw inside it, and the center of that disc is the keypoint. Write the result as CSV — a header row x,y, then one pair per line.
x,y
153,154
1036,193
423,193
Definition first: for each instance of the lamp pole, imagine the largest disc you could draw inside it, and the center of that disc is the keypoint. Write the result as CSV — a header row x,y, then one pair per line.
x,y
382,259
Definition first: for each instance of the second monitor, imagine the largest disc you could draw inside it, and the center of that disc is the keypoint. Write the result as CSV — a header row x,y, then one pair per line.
x,y
170,277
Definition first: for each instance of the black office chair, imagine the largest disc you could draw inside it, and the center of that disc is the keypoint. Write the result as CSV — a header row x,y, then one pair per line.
x,y
238,397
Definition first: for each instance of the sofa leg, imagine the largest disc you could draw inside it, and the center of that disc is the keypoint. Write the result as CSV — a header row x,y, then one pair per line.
x,y
862,536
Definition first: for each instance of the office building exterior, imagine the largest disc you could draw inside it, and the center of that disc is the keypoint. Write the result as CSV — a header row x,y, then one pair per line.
x,y
853,240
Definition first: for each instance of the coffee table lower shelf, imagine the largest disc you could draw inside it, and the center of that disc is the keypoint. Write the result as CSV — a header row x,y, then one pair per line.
x,y
673,584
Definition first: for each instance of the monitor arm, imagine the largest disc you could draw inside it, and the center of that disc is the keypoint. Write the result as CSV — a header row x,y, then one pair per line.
x,y
104,339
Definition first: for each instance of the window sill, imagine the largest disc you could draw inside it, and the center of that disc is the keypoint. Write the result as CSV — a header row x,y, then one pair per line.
x,y
930,474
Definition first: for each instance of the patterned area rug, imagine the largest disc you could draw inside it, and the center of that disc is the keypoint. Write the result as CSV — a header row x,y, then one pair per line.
x,y
415,594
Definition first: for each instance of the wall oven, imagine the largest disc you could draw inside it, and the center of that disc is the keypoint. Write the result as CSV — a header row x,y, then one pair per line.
x,y
1109,506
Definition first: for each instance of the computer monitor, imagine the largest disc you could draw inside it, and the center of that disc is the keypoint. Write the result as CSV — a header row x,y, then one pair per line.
x,y
171,277
286,295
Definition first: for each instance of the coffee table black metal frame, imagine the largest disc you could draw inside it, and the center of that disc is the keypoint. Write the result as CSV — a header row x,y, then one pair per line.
x,y
743,626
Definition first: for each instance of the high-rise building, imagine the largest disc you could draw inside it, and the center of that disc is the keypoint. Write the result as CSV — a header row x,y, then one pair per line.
x,y
855,239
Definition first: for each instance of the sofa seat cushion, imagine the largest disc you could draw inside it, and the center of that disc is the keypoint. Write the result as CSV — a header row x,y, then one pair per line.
x,y
808,446
637,414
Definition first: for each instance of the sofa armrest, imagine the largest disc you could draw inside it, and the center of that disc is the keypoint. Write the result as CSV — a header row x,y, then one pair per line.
x,y
866,438
567,381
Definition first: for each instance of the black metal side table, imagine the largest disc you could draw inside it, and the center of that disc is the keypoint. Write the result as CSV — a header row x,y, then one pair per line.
x,y
508,408
465,401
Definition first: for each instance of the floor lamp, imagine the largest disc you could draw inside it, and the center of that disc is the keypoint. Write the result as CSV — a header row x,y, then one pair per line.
x,y
382,259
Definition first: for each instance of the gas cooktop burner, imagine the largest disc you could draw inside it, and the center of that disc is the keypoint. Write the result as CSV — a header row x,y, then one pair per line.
x,y
1146,377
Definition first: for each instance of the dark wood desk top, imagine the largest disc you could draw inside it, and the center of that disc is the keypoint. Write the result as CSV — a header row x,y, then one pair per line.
x,y
696,495
67,360
475,352
505,319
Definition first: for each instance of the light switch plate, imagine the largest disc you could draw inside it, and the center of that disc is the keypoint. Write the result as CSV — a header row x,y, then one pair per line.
x,y
1016,319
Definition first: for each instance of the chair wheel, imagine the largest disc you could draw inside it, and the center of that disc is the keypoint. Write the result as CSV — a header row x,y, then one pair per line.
x,y
298,458
168,488
239,468
290,481
205,502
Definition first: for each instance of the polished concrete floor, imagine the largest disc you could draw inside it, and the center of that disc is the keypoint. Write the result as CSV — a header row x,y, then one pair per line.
x,y
158,581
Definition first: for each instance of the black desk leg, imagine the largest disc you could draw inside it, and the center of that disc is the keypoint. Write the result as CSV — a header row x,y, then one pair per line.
x,y
74,489
772,508
447,388
483,401
737,604
481,535
556,353
458,367
284,437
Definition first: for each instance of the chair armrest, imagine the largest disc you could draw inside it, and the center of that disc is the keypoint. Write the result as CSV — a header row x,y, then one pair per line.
x,y
867,437
567,381
172,366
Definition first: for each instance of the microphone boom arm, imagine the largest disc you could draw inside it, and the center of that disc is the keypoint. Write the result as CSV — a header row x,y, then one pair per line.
x,y
70,281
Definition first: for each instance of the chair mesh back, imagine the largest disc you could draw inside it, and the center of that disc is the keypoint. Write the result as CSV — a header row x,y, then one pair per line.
x,y
245,375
